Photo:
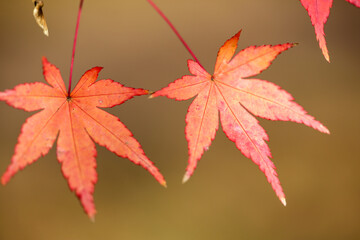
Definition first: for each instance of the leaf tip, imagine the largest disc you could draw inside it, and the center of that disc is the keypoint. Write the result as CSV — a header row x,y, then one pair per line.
x,y
324,49
46,32
238,33
44,59
3,181
186,177
283,201
92,218
164,184
235,38
327,57
151,95
6,176
324,129
146,92
321,128
97,69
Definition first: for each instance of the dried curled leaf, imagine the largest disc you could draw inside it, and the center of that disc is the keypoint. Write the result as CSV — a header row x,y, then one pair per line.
x,y
39,16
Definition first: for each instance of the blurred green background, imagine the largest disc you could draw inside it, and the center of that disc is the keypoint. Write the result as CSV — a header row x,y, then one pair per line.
x,y
228,197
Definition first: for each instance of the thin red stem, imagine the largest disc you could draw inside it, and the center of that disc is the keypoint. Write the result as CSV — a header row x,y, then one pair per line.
x,y
74,45
174,29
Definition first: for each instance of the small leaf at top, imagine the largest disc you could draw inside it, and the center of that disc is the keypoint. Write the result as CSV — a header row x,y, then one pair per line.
x,y
319,11
39,16
237,99
77,121
355,2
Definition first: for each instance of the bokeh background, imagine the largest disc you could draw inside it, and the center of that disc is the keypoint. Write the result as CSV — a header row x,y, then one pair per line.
x,y
228,197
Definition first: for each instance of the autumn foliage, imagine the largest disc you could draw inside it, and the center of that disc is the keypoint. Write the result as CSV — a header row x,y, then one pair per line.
x,y
228,96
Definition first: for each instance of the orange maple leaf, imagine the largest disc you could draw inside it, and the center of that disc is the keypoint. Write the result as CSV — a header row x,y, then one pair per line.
x,y
228,92
76,119
319,11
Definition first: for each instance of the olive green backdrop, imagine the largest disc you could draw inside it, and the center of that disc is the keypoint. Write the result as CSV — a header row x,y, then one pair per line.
x,y
228,197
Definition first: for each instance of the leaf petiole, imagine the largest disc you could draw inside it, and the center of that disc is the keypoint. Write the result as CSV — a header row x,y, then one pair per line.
x,y
74,45
175,31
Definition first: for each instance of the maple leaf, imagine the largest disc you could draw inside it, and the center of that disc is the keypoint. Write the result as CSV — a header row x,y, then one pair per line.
x,y
355,2
319,11
76,120
228,92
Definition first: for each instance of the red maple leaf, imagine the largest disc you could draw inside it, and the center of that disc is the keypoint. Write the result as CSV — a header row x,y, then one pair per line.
x,y
319,11
228,92
75,119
